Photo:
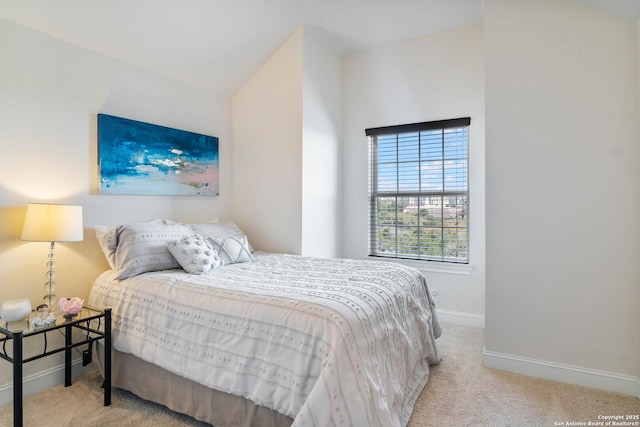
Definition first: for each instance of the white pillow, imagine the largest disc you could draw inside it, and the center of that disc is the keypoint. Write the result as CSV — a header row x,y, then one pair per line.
x,y
195,254
142,247
232,250
218,231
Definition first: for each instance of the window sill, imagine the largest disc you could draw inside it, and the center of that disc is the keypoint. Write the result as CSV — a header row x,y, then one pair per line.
x,y
431,266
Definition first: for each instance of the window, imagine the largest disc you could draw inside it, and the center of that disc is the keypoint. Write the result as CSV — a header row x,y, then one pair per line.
x,y
418,191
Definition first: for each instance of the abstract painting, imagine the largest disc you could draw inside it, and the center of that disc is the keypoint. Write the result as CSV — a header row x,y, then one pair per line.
x,y
146,159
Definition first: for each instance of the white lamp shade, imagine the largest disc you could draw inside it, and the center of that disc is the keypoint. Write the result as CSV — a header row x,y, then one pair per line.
x,y
53,223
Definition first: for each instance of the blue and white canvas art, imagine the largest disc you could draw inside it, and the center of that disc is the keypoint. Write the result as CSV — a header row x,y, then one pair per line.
x,y
146,159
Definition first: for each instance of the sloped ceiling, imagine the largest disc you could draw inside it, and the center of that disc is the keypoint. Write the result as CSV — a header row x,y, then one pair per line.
x,y
215,45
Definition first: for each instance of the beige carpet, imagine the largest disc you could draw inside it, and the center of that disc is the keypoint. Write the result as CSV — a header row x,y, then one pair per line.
x,y
461,392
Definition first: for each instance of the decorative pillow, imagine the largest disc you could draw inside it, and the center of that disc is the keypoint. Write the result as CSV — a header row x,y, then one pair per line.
x,y
142,247
232,250
108,248
219,231
108,241
195,254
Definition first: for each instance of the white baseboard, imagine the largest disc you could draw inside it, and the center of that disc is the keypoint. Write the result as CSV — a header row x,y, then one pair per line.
x,y
585,377
43,380
461,318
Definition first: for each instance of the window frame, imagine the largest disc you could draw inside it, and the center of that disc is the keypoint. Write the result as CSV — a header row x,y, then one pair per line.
x,y
375,193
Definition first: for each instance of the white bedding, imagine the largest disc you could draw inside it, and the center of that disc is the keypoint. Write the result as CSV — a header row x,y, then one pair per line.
x,y
326,342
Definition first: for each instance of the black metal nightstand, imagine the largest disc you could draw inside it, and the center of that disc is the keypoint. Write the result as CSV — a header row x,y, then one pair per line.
x,y
95,324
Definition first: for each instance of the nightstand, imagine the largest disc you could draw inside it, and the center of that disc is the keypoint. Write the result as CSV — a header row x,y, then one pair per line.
x,y
94,324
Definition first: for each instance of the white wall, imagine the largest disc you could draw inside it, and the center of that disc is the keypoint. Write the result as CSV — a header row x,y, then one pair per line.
x,y
322,128
286,167
563,240
439,76
267,151
50,93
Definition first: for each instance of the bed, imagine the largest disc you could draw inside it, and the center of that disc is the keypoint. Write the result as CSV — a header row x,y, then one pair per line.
x,y
264,339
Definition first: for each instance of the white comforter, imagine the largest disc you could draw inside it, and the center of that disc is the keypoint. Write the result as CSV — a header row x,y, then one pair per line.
x,y
326,342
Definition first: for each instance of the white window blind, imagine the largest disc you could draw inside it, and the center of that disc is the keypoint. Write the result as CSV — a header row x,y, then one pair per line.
x,y
419,192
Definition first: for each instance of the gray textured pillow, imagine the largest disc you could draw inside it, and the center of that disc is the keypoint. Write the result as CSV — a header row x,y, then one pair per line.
x,y
195,254
232,250
219,231
103,237
108,239
142,247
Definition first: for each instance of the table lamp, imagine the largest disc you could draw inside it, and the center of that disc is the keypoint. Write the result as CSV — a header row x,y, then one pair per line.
x,y
52,223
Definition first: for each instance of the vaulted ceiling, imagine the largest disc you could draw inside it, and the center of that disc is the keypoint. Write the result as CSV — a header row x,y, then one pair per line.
x,y
216,45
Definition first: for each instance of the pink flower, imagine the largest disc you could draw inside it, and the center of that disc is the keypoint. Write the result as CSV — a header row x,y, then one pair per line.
x,y
70,306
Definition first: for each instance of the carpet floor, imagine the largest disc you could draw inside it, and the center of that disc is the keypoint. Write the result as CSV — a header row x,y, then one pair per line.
x,y
460,392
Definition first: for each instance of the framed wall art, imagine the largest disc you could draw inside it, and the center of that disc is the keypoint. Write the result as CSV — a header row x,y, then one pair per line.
x,y
140,158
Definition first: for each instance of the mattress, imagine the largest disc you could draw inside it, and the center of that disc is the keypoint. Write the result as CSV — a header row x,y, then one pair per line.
x,y
325,342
